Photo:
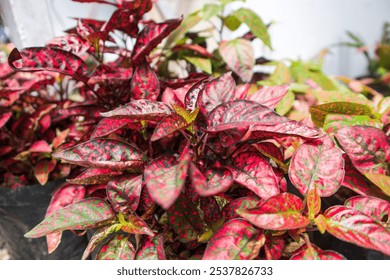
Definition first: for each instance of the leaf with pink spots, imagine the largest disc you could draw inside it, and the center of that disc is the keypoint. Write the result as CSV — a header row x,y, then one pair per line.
x,y
124,193
110,125
152,248
317,164
312,252
118,247
274,247
72,43
210,209
373,207
175,96
103,153
212,182
194,94
84,214
185,220
93,176
135,225
98,237
145,83
141,109
246,202
42,170
269,96
235,240
367,147
280,212
40,146
351,225
168,126
255,173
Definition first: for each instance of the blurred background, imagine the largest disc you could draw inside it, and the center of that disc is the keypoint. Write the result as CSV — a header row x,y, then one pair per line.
x,y
299,28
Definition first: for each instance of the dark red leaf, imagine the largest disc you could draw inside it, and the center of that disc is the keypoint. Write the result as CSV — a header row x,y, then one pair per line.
x,y
246,202
312,252
168,126
280,212
93,176
72,43
212,182
194,94
124,193
373,207
99,235
152,248
269,96
145,84
122,20
103,153
274,247
48,59
110,125
4,118
210,210
319,164
367,147
140,110
118,247
235,240
151,36
254,172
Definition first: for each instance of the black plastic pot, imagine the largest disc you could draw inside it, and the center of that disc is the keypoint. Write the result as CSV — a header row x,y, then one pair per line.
x,y
23,208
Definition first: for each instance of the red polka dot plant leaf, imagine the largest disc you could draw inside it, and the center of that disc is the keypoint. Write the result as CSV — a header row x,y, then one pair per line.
x,y
255,173
110,125
42,170
269,96
210,182
353,226
4,117
151,248
103,153
312,252
141,109
72,43
274,247
48,59
145,84
119,247
319,164
194,94
211,210
229,211
313,201
235,240
239,55
124,193
175,96
168,126
99,236
152,35
376,208
244,113
367,147
381,181
134,225
93,176
280,212
62,197
185,220
217,91
165,178
122,20
81,215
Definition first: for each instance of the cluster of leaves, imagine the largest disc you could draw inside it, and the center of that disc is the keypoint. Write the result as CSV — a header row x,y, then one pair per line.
x,y
211,166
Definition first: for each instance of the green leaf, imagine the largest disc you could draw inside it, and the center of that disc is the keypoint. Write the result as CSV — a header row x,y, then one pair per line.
x,y
225,2
285,105
98,237
334,122
381,181
203,64
211,10
189,22
280,76
117,248
81,215
319,112
232,22
255,24
327,96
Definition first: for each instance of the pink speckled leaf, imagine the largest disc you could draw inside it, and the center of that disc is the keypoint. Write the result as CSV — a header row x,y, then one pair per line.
x,y
312,252
175,96
136,225
124,193
42,170
84,214
61,198
274,247
168,126
381,181
239,56
165,179
4,118
98,237
246,202
93,176
110,125
194,94
141,109
145,83
373,207
103,153
40,146
118,247
152,248
254,172
152,34
210,210
72,43
235,240
212,182
269,96
184,219
367,147
218,91
317,163
313,201
351,225
280,212
48,59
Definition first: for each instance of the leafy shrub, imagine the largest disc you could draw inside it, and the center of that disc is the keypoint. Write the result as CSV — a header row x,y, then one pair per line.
x,y
203,167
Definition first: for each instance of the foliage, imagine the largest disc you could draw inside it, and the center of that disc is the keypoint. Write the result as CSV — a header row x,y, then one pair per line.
x,y
221,166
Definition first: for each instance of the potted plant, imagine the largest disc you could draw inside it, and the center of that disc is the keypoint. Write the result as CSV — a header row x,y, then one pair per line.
x,y
202,166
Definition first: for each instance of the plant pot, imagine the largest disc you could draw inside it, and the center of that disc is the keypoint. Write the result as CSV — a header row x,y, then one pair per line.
x,y
23,208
